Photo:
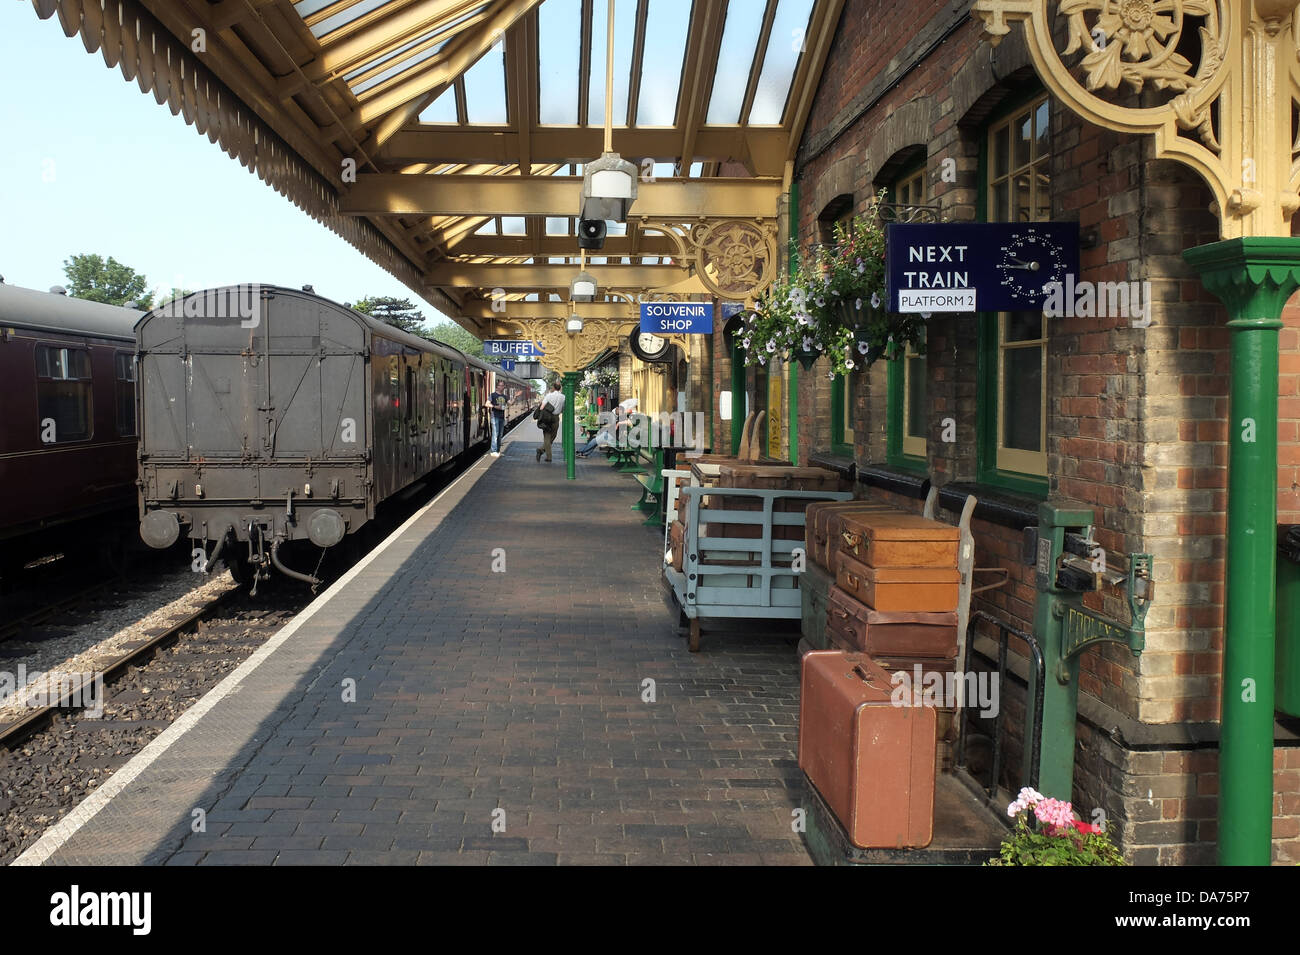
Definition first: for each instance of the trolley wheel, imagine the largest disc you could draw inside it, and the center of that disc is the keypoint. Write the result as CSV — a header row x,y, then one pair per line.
x,y
695,635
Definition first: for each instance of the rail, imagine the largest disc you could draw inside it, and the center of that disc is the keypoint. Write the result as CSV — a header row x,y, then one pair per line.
x,y
1005,632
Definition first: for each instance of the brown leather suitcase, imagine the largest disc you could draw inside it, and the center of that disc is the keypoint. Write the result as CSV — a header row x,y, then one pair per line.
x,y
779,478
825,522
873,762
915,589
905,633
886,539
922,688
677,541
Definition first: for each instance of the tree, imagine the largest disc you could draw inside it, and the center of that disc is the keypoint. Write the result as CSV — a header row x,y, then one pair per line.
x,y
449,333
111,282
398,312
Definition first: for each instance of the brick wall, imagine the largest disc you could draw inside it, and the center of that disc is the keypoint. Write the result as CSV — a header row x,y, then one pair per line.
x,y
1136,415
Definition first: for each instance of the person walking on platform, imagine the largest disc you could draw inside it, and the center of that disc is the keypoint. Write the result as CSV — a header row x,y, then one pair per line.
x,y
548,416
497,408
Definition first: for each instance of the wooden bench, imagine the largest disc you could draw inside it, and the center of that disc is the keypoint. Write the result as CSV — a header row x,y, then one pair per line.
x,y
652,483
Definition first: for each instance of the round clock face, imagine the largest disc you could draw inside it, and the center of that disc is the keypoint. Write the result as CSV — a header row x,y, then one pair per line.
x,y
650,346
1029,263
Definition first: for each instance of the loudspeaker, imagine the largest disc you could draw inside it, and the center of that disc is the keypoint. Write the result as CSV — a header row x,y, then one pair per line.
x,y
591,233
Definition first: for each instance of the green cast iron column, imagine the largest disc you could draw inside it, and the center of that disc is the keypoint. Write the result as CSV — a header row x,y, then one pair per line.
x,y
571,379
1253,277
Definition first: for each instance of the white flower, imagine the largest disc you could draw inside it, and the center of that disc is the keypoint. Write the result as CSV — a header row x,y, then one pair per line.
x,y
771,346
744,343
762,359
820,301
875,300
848,363
925,315
834,292
863,348
831,375
861,266
858,305
804,319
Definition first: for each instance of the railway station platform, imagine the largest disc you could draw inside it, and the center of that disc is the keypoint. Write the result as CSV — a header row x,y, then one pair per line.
x,y
501,643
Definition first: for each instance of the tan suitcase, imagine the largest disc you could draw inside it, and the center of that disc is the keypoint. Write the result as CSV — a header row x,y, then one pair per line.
x,y
899,540
916,589
761,477
873,762
905,633
824,521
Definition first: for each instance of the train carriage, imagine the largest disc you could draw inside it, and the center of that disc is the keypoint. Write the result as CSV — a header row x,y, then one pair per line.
x,y
270,415
68,432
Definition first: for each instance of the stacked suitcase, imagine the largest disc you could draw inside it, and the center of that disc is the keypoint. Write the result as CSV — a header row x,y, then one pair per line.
x,y
890,605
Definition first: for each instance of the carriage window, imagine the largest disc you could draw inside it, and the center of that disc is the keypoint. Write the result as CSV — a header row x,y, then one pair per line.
x,y
63,394
125,393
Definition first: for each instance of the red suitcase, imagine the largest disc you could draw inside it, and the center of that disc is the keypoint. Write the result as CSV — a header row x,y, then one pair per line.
x,y
873,762
890,632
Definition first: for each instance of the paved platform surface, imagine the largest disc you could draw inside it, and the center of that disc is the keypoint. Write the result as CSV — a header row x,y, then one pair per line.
x,y
517,698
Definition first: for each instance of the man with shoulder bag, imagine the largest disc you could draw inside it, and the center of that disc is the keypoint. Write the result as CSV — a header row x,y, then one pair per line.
x,y
547,417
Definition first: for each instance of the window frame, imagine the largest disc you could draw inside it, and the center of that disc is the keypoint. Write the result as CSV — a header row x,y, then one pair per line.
x,y
842,416
118,382
994,466
88,383
900,448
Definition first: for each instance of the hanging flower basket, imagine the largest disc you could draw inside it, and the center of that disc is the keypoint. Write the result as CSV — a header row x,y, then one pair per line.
x,y
833,304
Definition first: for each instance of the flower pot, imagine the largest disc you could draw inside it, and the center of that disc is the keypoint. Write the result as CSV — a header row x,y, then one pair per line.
x,y
807,358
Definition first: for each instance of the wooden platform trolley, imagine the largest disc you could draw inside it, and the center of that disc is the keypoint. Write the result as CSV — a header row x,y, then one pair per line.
x,y
738,577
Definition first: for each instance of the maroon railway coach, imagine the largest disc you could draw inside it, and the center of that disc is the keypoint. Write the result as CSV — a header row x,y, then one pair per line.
x,y
68,428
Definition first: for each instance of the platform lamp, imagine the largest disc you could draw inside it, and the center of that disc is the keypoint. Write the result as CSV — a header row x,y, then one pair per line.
x,y
583,287
574,324
608,183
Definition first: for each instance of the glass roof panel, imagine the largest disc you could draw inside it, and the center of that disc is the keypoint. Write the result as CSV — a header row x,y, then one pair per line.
x,y
487,228
343,17
399,65
557,225
664,170
696,169
615,228
788,31
513,225
735,59
443,109
485,88
306,8
624,36
559,47
661,72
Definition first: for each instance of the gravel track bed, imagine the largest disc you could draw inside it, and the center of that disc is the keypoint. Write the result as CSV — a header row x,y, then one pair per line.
x,y
104,617
53,771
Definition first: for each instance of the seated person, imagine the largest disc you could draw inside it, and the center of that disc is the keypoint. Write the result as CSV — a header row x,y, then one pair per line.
x,y
599,441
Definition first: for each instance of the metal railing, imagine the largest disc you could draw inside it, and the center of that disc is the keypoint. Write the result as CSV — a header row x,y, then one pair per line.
x,y
1035,743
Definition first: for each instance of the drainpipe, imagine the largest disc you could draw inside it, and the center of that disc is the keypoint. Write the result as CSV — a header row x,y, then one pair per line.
x,y
1254,277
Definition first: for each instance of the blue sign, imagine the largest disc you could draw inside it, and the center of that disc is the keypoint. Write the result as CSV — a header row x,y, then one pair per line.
x,y
977,266
512,347
677,318
507,364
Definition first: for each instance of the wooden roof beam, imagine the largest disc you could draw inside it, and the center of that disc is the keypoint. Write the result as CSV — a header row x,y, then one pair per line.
x,y
459,195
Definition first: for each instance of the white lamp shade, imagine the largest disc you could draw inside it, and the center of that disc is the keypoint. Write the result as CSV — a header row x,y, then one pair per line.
x,y
583,287
574,324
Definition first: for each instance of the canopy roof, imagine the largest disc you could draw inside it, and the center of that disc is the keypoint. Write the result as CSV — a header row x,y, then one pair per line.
x,y
453,133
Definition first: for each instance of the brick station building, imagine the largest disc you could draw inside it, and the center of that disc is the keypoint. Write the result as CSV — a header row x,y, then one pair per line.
x,y
1092,412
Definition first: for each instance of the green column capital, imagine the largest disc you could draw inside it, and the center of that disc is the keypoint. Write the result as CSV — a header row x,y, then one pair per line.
x,y
1253,276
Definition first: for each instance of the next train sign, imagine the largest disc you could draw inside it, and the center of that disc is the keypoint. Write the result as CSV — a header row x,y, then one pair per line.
x,y
977,266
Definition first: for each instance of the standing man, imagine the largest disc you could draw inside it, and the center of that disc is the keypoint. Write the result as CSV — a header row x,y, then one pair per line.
x,y
548,416
497,408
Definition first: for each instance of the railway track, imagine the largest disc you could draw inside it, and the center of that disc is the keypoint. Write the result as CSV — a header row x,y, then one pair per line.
x,y
55,754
